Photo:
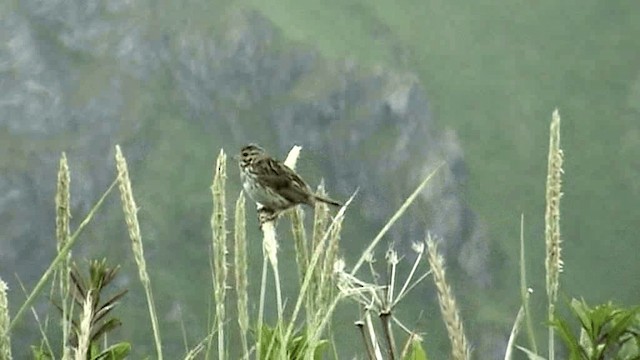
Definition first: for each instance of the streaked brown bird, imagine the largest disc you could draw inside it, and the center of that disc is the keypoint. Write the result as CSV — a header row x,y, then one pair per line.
x,y
273,184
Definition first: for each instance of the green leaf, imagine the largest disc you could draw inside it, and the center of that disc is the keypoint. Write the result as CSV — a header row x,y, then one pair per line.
x,y
320,349
269,342
40,354
530,354
620,326
571,342
297,348
607,332
630,350
416,352
109,305
581,311
104,328
117,351
94,349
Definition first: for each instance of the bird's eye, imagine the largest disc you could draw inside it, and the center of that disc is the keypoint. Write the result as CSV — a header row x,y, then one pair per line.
x,y
245,154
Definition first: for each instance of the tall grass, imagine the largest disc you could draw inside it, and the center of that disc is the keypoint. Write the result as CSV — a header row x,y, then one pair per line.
x,y
553,262
525,294
318,294
553,259
219,251
130,210
323,280
240,268
460,349
5,340
84,334
63,216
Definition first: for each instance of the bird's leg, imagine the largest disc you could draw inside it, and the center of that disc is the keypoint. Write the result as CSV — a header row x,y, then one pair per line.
x,y
265,214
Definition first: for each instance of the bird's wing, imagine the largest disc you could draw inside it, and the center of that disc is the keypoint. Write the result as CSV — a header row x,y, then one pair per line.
x,y
285,181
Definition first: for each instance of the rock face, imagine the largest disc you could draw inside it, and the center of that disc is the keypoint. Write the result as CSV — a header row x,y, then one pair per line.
x,y
81,76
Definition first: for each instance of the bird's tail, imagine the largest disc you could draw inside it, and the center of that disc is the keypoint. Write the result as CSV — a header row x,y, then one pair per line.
x,y
327,200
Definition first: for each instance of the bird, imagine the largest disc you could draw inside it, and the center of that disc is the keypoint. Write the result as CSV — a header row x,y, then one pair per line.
x,y
273,185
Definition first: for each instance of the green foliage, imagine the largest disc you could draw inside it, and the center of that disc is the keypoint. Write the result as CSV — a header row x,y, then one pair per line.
x,y
530,354
295,348
100,277
416,352
606,332
41,353
114,352
92,288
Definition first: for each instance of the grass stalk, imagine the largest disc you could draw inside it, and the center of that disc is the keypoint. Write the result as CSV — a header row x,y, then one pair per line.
x,y
517,324
41,327
263,290
525,291
371,335
302,253
448,308
63,217
385,318
387,302
419,249
5,340
312,264
299,240
553,261
240,267
320,220
219,250
327,285
62,201
365,339
270,247
193,353
84,334
133,226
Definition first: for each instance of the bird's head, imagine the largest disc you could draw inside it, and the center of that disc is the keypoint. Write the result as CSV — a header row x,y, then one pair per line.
x,y
249,154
